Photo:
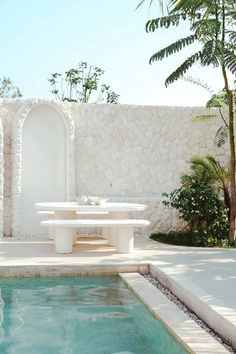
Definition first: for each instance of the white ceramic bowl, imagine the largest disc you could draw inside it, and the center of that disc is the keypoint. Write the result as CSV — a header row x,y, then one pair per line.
x,y
97,200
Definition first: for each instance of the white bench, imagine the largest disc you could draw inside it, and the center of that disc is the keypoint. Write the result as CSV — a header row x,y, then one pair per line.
x,y
124,230
51,213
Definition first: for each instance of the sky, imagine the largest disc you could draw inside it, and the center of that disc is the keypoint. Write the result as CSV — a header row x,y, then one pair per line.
x,y
40,37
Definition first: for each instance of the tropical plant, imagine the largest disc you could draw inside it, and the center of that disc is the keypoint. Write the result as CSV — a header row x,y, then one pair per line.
x,y
7,89
79,84
212,24
212,173
200,206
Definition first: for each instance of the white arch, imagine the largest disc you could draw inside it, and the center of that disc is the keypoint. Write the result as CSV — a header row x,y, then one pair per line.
x,y
16,147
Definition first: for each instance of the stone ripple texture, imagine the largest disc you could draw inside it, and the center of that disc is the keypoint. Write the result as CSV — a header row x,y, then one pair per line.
x,y
124,152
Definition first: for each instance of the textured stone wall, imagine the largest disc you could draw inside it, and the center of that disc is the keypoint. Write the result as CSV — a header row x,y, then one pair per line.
x,y
128,153
136,153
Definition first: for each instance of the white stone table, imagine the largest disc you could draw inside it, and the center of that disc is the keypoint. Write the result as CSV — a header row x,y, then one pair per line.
x,y
68,210
58,207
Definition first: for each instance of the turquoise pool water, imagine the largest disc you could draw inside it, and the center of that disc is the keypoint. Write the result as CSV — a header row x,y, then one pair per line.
x,y
78,315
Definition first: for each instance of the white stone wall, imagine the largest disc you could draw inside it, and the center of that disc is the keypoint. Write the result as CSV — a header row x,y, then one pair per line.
x,y
136,153
132,153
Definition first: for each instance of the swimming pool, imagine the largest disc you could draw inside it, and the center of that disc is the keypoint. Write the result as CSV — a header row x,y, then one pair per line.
x,y
78,315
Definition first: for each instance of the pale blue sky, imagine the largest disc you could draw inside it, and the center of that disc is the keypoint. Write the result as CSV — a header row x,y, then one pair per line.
x,y
39,37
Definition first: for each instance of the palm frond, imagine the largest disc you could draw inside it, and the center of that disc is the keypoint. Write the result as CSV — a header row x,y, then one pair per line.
x,y
210,170
172,48
221,173
163,22
204,118
216,102
198,82
230,60
151,2
142,2
210,53
183,68
205,27
232,36
221,136
187,4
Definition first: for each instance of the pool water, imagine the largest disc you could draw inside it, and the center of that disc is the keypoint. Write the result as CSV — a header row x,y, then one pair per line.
x,y
78,315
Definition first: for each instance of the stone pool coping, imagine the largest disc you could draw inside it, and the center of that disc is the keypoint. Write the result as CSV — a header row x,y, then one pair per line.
x,y
23,271
187,332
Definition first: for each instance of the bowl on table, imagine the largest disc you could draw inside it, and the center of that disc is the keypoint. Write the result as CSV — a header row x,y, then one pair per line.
x,y
91,200
97,200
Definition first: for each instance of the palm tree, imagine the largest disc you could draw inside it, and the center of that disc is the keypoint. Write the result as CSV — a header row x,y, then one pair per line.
x,y
209,170
212,25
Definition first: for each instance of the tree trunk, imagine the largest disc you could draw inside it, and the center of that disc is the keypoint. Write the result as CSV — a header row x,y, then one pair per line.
x,y
227,201
232,226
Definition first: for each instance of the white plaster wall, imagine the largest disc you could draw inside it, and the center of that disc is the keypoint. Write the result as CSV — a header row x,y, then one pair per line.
x,y
13,113
132,153
43,175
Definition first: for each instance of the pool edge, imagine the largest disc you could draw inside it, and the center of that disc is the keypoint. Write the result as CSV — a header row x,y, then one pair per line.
x,y
186,331
62,270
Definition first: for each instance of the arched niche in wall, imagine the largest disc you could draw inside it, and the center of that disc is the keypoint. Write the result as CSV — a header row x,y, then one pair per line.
x,y
43,164
1,178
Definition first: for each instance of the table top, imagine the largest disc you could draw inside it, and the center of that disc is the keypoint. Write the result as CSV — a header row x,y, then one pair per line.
x,y
73,206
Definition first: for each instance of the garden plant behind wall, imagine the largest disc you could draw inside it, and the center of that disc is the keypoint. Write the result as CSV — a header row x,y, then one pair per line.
x,y
212,25
80,84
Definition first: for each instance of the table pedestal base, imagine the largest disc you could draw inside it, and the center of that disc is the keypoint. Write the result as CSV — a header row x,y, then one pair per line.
x,y
63,239
124,239
61,214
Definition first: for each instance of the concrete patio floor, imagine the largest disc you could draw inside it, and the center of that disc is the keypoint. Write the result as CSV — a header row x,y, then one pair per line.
x,y
208,274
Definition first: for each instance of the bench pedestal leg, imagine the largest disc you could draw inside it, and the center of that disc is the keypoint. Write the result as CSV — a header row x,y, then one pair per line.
x,y
111,236
74,239
112,232
63,238
105,232
124,239
51,233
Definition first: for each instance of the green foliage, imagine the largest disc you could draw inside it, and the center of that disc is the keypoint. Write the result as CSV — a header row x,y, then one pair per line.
x,y
209,170
204,118
162,4
190,238
198,201
78,85
221,136
211,24
8,90
212,173
199,205
183,68
172,48
219,101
